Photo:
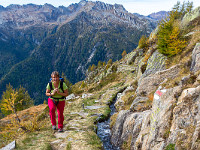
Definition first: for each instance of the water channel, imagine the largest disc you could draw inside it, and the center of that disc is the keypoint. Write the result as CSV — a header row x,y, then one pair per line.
x,y
104,131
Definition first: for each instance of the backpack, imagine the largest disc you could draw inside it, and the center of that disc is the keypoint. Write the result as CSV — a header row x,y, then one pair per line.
x,y
61,86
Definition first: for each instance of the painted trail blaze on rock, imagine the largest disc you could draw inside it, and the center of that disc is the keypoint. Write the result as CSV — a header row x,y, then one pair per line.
x,y
159,92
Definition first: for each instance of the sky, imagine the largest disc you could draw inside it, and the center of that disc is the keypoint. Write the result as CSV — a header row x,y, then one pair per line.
x,y
143,7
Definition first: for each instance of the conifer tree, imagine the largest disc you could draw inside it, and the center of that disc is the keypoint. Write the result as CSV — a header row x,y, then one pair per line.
x,y
14,100
104,64
83,84
143,42
68,83
9,104
100,64
124,53
170,40
93,67
89,68
110,62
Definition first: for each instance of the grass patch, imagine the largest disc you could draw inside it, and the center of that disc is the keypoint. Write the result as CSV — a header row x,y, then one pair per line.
x,y
127,144
105,81
89,102
128,99
113,119
94,140
170,147
105,115
69,146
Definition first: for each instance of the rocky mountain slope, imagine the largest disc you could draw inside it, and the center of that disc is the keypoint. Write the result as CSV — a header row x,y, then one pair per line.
x,y
37,40
157,102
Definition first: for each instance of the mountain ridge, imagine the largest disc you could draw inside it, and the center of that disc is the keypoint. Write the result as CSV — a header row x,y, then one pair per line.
x,y
157,102
65,39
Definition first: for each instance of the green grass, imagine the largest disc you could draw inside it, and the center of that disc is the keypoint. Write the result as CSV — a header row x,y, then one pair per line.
x,y
170,147
69,146
94,140
89,102
47,146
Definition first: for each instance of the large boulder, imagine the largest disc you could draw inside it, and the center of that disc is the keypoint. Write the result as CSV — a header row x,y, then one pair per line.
x,y
185,126
155,63
195,66
119,104
156,125
118,127
190,16
128,126
150,83
132,127
148,129
130,58
140,104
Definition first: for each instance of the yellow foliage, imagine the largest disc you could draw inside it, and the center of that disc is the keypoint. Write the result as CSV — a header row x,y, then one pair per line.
x,y
124,53
143,42
110,61
83,84
93,67
10,103
170,41
175,44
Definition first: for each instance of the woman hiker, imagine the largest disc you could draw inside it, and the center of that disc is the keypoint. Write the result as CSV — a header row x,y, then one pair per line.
x,y
57,91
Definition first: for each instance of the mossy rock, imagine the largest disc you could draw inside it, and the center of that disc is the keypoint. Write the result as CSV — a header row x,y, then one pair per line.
x,y
190,16
155,63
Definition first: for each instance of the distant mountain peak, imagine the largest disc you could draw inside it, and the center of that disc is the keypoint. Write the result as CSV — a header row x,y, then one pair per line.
x,y
158,15
21,16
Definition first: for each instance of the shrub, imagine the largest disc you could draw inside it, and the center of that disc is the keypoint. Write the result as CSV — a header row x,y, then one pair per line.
x,y
143,42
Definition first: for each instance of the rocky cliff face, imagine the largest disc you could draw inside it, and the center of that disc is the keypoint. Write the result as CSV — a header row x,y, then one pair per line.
x,y
17,16
162,115
173,115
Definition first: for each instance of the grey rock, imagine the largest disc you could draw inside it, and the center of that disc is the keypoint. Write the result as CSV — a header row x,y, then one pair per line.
x,y
190,16
155,63
119,104
162,110
186,120
118,127
56,141
61,135
10,146
94,107
131,57
150,83
86,95
138,103
132,127
195,66
71,96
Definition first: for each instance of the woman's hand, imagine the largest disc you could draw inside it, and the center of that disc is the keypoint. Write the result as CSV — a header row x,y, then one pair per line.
x,y
55,91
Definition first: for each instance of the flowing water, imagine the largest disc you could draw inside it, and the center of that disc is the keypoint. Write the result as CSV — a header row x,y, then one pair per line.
x,y
104,131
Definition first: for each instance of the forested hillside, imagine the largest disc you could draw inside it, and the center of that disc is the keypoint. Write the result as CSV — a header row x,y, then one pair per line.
x,y
149,99
68,40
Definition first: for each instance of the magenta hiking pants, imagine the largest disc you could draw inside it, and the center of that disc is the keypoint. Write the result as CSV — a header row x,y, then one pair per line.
x,y
60,110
